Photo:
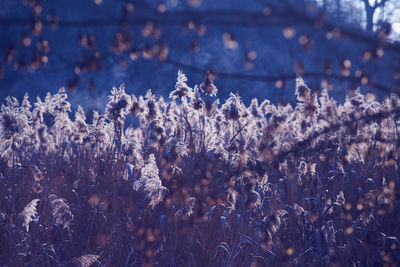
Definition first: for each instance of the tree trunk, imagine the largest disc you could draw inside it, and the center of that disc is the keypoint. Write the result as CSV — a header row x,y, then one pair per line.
x,y
370,18
338,9
325,4
369,10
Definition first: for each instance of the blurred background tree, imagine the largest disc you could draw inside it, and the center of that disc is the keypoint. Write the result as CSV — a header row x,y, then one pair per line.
x,y
368,14
256,47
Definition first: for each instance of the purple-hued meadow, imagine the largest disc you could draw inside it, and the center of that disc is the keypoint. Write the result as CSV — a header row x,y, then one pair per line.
x,y
191,181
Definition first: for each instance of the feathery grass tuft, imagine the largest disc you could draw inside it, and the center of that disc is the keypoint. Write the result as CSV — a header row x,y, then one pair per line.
x,y
61,212
29,213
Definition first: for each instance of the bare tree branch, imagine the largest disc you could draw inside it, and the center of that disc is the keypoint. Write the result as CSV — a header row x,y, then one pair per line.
x,y
271,78
380,3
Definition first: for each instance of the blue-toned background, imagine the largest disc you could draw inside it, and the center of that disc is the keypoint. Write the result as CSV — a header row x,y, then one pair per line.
x,y
255,47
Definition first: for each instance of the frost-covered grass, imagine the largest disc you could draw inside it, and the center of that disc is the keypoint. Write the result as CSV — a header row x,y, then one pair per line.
x,y
199,183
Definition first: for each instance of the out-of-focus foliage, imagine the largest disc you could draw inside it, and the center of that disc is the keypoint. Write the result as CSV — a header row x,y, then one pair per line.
x,y
192,182
256,47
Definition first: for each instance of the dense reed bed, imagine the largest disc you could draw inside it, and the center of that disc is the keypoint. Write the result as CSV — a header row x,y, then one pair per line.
x,y
191,181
